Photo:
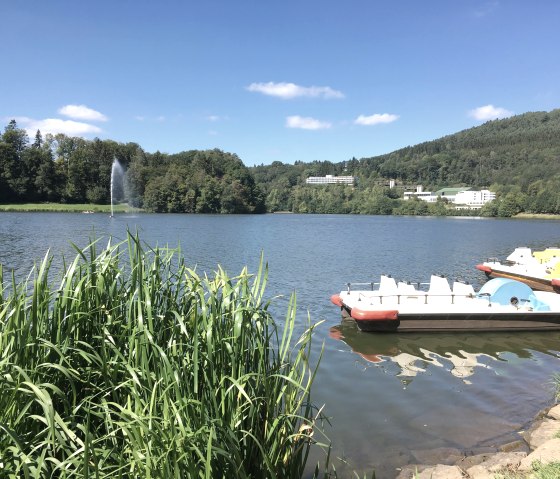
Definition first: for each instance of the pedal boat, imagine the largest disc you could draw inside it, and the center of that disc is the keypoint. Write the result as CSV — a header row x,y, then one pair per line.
x,y
539,269
500,305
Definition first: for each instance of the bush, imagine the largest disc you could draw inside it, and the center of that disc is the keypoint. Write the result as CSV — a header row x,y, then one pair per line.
x,y
135,366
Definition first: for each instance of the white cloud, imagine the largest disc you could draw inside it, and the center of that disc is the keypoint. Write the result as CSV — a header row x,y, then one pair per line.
x,y
215,118
486,9
489,112
82,112
56,125
306,123
376,119
158,119
291,90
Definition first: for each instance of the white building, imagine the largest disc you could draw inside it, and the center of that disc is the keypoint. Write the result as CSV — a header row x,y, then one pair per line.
x,y
463,198
426,196
330,180
473,199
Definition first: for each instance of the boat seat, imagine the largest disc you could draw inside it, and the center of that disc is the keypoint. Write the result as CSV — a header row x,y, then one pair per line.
x,y
388,289
439,290
462,291
388,285
524,256
408,290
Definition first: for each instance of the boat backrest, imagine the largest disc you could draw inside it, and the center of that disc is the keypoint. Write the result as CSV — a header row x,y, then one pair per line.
x,y
523,255
439,285
406,288
387,285
439,290
462,289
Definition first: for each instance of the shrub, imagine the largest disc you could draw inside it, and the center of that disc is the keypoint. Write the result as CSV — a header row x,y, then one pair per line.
x,y
136,366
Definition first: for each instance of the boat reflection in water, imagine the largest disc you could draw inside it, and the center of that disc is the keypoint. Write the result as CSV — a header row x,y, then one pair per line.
x,y
408,355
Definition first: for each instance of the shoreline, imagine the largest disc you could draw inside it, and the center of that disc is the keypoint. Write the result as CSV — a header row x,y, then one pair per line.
x,y
124,208
67,208
540,443
536,216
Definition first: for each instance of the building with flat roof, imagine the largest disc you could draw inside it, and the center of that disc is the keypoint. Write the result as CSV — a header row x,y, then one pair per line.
x,y
426,196
462,198
473,199
330,180
450,193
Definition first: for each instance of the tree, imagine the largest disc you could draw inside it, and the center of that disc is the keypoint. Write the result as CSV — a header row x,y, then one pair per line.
x,y
155,196
15,137
32,161
38,140
508,205
12,146
8,161
46,180
210,197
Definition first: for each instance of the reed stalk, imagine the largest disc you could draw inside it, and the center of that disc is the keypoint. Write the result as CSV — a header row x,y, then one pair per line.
x,y
135,366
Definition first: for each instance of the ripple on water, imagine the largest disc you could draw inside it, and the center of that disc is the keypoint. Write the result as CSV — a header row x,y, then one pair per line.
x,y
387,395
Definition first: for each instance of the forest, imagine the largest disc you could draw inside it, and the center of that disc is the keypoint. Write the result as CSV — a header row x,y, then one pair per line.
x,y
66,169
518,158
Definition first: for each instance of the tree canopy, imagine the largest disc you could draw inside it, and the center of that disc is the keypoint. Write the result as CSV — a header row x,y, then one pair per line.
x,y
518,158
67,169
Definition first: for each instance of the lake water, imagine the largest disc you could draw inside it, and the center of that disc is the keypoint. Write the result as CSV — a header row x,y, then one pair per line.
x,y
391,399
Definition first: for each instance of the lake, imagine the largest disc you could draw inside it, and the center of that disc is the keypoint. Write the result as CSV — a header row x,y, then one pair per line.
x,y
391,399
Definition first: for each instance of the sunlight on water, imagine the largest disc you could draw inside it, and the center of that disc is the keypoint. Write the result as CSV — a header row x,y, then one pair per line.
x,y
392,399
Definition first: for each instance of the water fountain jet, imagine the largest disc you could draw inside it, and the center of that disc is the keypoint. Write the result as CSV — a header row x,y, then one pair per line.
x,y
117,172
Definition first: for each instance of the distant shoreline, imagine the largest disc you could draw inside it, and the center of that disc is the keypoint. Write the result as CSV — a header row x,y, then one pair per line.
x,y
125,208
537,216
67,208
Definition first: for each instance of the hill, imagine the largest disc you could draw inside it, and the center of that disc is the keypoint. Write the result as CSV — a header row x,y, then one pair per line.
x,y
518,157
512,151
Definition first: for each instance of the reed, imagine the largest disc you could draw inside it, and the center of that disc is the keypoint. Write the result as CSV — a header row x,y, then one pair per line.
x,y
136,366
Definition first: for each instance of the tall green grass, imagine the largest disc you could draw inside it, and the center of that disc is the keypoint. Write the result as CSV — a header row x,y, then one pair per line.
x,y
137,367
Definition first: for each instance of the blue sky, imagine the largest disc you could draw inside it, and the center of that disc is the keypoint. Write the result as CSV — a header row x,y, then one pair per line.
x,y
293,80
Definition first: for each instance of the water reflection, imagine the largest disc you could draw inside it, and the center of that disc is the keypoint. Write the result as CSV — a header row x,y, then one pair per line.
x,y
409,355
313,255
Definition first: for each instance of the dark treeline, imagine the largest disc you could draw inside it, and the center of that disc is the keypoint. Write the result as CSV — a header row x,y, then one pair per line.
x,y
74,170
518,158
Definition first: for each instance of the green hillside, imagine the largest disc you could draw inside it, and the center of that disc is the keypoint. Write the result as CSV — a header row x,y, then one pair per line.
x,y
514,151
518,157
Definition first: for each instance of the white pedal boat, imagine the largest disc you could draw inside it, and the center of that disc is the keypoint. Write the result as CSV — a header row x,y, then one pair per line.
x,y
500,305
539,269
